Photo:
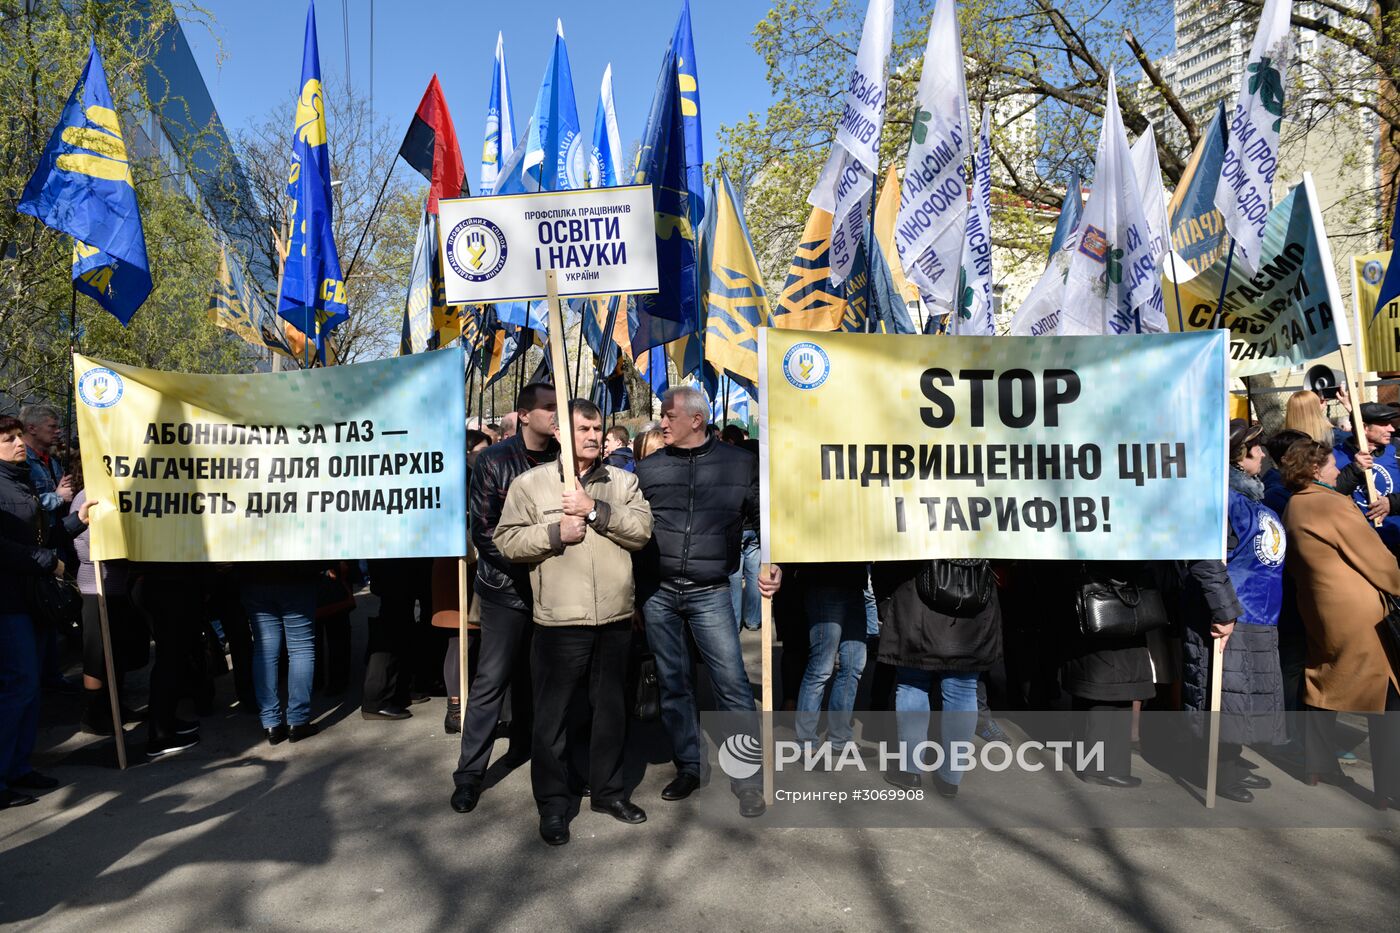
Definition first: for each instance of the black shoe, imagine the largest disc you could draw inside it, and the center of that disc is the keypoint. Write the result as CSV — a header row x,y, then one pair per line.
x,y
583,790
465,798
157,747
304,730
514,758
1246,764
415,698
1236,792
624,811
903,779
185,727
34,781
9,798
1255,782
452,722
682,787
945,790
276,735
387,713
1110,780
554,830
94,723
751,802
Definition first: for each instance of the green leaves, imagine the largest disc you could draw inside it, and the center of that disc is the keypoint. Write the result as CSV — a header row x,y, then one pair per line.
x,y
1266,83
1114,269
921,126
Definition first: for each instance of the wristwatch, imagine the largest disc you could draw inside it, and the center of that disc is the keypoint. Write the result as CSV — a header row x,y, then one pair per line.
x,y
591,517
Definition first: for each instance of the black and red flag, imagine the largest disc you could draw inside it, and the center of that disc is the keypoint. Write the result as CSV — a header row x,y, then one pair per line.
x,y
430,146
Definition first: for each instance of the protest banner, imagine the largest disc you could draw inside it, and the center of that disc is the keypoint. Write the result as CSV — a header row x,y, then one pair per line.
x,y
600,241
347,462
1378,328
880,448
1286,313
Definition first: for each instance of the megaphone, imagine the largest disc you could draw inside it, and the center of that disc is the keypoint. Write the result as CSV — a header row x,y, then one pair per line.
x,y
1324,380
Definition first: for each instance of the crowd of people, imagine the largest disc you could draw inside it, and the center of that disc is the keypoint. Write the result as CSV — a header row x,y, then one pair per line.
x,y
653,551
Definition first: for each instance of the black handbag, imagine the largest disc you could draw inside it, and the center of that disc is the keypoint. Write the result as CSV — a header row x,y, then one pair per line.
x,y
959,587
1119,600
644,687
53,601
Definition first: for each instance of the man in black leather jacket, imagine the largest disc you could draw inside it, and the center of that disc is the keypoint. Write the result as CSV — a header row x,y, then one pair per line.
x,y
700,491
506,600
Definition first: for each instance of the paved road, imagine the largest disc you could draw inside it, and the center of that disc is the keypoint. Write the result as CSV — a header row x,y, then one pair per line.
x,y
351,831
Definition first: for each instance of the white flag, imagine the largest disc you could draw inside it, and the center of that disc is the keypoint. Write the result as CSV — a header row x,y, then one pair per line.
x,y
1110,280
933,196
1251,154
974,304
1154,197
849,173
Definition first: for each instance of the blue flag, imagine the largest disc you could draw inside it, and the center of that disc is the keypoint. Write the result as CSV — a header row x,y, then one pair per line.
x,y
1390,285
82,187
688,79
554,153
673,311
605,164
1070,210
1197,230
500,121
312,285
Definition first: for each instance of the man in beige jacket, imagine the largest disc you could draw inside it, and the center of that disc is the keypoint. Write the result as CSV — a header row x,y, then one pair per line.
x,y
577,547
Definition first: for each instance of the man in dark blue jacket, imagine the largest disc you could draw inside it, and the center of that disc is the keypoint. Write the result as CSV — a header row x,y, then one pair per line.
x,y
503,588
700,491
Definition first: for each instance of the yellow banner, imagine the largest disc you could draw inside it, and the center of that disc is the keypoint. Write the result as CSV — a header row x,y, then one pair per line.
x,y
1379,332
882,447
323,464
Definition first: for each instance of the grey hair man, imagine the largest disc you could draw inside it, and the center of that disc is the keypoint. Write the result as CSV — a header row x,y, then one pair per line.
x,y
41,435
700,491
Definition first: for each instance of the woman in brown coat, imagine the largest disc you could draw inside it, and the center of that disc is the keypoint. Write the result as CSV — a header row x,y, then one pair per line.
x,y
1341,568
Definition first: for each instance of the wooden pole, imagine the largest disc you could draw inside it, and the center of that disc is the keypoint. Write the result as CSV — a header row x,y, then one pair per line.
x,y
559,362
462,607
111,667
766,643
1217,672
1358,426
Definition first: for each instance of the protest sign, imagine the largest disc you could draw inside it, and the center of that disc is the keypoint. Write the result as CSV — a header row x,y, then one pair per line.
x,y
600,241
1285,314
878,447
326,464
1379,327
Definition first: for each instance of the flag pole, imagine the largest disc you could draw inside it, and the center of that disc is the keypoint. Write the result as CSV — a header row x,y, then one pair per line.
x,y
72,374
109,666
559,359
1215,320
1176,290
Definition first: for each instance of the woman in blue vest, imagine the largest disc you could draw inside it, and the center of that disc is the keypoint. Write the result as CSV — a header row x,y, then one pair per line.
x,y
1251,699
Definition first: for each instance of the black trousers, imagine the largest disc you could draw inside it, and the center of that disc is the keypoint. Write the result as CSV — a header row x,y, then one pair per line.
x,y
564,659
503,663
388,671
172,610
1383,733
1109,722
226,602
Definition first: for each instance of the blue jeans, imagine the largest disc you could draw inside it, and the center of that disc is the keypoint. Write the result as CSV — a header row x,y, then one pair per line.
x,y
836,628
872,614
275,609
959,719
19,694
710,616
743,585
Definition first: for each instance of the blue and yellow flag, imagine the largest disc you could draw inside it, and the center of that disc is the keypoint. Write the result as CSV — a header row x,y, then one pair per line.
x,y
82,187
688,79
809,300
673,311
236,307
736,301
1197,229
311,281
